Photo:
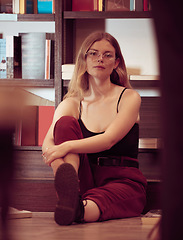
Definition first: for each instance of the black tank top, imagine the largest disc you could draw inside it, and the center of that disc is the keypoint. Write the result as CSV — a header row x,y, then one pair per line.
x,y
127,146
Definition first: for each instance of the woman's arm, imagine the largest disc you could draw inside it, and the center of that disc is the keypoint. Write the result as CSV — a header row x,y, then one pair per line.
x,y
125,119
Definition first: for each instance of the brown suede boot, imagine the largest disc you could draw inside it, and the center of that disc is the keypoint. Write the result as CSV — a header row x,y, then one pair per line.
x,y
69,208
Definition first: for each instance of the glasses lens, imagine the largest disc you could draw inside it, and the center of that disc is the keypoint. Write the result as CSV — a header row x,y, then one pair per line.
x,y
94,55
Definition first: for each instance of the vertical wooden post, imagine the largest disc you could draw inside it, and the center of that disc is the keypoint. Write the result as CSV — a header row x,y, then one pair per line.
x,y
58,50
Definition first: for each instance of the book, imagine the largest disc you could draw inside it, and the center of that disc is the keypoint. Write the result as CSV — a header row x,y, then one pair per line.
x,y
67,71
29,126
6,6
47,58
14,213
16,6
150,143
132,5
52,60
139,5
46,6
13,56
144,77
117,5
29,6
33,55
2,58
146,5
22,7
45,117
86,5
152,217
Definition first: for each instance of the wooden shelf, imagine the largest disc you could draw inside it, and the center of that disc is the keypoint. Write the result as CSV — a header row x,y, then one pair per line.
x,y
36,17
27,17
142,84
145,83
27,148
42,83
98,15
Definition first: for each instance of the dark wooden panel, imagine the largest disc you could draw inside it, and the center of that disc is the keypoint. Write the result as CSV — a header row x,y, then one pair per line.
x,y
33,195
29,164
150,117
150,164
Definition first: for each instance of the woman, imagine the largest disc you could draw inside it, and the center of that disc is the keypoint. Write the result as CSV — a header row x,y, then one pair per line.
x,y
92,144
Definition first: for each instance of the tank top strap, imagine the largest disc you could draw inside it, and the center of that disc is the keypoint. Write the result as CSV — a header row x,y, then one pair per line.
x,y
80,110
120,98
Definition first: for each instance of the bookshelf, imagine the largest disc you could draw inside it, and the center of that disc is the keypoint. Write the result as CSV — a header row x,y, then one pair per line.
x,y
36,174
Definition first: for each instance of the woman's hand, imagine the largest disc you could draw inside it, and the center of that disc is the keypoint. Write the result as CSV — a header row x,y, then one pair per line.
x,y
55,152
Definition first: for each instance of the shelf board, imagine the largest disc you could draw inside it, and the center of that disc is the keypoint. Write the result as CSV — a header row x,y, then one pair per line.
x,y
142,84
145,83
36,17
42,83
106,14
27,148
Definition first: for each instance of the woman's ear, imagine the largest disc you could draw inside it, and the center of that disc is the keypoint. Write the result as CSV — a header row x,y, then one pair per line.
x,y
116,63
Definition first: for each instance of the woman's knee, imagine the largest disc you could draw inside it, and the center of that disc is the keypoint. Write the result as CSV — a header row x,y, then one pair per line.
x,y
67,128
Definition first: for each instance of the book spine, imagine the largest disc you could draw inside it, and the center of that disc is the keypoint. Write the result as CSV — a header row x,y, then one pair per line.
x,y
29,6
45,6
22,6
2,58
52,60
139,5
33,55
17,57
113,5
146,8
47,58
45,116
10,56
132,5
29,131
6,6
16,7
83,5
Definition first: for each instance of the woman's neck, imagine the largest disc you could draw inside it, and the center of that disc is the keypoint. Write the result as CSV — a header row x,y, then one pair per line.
x,y
99,88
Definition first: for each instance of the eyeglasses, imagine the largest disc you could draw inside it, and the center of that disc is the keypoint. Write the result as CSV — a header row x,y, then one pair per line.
x,y
94,55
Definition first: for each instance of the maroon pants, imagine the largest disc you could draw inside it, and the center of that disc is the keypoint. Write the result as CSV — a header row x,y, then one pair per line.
x,y
119,192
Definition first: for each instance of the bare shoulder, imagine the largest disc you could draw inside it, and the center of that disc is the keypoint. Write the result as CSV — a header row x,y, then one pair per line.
x,y
130,97
132,94
68,107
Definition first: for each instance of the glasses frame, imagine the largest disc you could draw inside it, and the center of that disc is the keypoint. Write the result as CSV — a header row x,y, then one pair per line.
x,y
107,56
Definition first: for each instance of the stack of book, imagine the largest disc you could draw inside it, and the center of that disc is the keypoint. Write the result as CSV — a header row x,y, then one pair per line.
x,y
27,6
48,6
32,128
27,56
111,5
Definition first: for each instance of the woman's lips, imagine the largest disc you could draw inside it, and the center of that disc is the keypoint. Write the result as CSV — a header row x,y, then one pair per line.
x,y
99,67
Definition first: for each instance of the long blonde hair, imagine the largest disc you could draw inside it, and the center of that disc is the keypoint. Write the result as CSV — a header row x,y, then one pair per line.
x,y
79,83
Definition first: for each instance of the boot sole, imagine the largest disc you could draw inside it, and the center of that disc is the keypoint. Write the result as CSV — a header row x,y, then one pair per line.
x,y
67,188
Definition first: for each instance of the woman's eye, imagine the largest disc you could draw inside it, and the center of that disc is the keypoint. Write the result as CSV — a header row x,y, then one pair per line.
x,y
107,55
93,53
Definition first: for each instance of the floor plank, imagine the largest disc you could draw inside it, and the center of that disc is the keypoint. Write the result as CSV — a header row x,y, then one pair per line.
x,y
42,227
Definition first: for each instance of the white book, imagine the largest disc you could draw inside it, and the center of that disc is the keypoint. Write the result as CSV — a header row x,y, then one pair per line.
x,y
150,143
68,68
16,6
15,213
144,77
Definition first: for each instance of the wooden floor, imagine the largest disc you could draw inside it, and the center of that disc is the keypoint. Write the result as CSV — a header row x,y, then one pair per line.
x,y
42,227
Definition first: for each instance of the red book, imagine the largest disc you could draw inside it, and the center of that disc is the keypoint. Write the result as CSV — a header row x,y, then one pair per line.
x,y
45,117
146,5
29,126
84,5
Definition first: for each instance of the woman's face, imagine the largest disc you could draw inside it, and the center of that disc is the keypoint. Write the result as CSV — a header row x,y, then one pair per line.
x,y
101,59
